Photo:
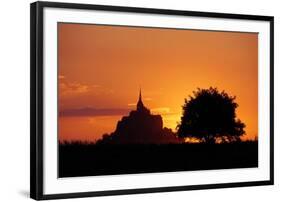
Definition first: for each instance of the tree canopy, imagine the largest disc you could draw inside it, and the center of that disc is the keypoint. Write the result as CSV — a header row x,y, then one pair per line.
x,y
209,115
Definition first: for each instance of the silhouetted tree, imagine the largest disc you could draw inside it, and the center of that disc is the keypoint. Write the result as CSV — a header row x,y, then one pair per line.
x,y
209,115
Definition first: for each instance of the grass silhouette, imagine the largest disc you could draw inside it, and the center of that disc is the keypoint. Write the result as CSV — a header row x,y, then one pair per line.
x,y
90,159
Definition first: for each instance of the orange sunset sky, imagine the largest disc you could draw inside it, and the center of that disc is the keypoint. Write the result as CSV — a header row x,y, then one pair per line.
x,y
101,69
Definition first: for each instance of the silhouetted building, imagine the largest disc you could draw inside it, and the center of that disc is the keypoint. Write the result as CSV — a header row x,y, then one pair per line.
x,y
141,127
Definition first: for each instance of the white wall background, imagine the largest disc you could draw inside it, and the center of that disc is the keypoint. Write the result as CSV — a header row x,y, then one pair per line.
x,y
14,100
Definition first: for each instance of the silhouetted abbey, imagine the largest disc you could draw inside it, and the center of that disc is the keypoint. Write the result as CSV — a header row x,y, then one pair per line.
x,y
140,127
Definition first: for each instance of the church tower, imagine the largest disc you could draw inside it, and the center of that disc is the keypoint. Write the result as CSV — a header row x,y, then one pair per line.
x,y
140,105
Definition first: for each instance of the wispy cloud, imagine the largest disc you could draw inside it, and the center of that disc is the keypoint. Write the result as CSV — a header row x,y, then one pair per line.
x,y
61,77
132,104
88,111
161,110
74,88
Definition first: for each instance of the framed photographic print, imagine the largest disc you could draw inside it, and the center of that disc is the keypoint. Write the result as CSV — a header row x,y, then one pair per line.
x,y
137,100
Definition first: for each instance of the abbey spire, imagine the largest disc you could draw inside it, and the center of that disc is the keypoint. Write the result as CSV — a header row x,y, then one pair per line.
x,y
140,105
140,95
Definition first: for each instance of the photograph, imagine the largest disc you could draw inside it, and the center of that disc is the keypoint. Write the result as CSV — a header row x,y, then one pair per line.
x,y
140,99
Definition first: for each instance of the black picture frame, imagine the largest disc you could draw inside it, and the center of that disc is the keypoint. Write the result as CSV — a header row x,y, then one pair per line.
x,y
36,98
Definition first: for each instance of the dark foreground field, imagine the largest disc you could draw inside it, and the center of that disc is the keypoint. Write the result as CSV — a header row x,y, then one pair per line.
x,y
90,159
